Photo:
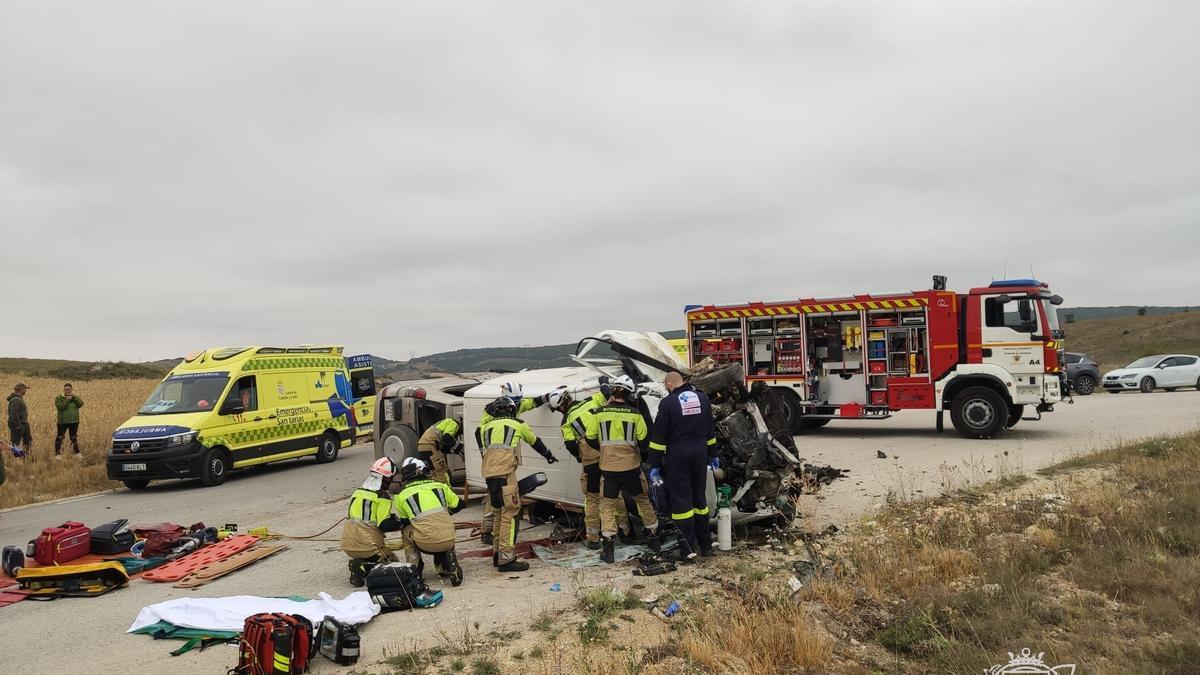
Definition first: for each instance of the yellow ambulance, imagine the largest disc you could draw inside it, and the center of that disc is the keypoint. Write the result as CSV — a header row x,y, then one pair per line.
x,y
232,407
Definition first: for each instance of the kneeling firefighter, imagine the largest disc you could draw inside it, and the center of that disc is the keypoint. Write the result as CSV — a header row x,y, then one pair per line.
x,y
423,507
438,441
367,520
500,439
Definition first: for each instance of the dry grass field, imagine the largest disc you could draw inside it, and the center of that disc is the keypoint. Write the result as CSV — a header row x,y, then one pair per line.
x,y
107,403
1115,342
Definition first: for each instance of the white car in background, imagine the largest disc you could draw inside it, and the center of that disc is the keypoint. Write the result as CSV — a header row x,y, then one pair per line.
x,y
1164,371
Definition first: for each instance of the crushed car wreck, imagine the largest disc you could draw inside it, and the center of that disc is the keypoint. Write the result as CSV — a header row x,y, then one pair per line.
x,y
763,469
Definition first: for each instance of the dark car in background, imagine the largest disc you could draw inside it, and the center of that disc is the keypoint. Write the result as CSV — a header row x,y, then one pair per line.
x,y
1083,374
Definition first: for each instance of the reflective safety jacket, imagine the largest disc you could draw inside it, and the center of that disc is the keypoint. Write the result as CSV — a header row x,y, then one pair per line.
x,y
369,506
523,407
684,421
443,435
501,439
619,430
574,428
425,505
367,518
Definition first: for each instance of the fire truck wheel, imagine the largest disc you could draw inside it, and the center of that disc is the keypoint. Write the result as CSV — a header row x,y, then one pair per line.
x,y
979,412
807,424
1014,415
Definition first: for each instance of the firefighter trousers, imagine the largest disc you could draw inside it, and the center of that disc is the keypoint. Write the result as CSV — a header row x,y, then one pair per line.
x,y
590,482
686,479
506,504
630,483
442,552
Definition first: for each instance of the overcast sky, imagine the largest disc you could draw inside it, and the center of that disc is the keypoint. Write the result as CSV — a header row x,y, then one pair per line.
x,y
417,177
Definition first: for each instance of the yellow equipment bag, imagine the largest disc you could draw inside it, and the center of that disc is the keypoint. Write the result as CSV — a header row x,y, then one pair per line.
x,y
48,583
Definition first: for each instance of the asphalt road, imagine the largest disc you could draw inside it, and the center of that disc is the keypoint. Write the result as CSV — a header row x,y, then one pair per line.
x,y
304,498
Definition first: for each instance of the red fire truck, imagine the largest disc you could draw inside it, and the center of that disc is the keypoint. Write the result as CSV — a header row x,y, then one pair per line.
x,y
985,355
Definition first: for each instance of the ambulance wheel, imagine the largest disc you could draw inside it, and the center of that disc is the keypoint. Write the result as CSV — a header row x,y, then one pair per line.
x,y
136,483
807,424
214,467
327,449
979,412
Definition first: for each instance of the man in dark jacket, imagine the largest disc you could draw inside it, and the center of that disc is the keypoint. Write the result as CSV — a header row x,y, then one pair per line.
x,y
68,405
684,440
18,418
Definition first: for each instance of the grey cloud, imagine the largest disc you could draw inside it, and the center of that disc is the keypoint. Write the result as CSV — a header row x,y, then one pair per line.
x,y
417,177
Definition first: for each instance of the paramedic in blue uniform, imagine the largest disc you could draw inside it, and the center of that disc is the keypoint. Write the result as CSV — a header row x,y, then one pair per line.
x,y
683,443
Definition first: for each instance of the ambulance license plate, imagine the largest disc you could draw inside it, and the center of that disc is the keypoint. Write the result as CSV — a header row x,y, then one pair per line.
x,y
133,467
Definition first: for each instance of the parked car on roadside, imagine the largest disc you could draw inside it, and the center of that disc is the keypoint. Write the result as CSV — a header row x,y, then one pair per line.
x,y
1163,371
1083,374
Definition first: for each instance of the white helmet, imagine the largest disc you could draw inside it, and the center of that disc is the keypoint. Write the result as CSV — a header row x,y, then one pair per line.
x,y
559,397
513,391
624,382
413,467
381,473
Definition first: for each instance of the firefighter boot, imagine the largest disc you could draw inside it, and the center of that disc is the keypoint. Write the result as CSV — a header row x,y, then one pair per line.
x,y
593,545
358,573
514,565
455,570
703,535
653,541
486,538
607,546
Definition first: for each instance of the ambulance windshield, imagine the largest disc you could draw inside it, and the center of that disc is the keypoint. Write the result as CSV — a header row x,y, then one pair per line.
x,y
186,393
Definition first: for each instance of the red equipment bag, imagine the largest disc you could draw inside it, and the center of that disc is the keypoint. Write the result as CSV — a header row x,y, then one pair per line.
x,y
274,644
57,545
160,537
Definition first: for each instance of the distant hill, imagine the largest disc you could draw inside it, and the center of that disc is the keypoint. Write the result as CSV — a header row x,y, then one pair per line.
x,y
1114,342
1086,313
82,370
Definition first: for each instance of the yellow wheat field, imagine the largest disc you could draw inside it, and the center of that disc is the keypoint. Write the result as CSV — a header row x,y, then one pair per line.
x,y
107,403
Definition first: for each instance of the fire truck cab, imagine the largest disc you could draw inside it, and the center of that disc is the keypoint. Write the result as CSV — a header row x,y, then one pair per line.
x,y
986,356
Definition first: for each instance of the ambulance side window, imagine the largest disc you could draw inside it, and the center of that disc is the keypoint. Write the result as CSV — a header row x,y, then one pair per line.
x,y
246,390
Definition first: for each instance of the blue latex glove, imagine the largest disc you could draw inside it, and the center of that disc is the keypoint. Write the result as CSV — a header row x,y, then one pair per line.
x,y
656,477
714,464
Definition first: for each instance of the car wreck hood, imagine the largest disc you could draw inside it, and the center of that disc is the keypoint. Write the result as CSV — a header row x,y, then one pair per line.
x,y
649,353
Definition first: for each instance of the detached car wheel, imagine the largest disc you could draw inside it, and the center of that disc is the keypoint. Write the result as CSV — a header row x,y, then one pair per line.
x,y
214,468
327,450
136,483
979,412
1148,385
1085,385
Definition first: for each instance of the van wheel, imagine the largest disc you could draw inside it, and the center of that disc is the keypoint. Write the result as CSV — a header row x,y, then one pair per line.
x,y
136,483
214,468
979,412
398,443
327,449
1148,385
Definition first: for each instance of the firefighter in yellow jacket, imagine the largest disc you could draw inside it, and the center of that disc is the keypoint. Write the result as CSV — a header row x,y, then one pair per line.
x,y
575,418
500,439
515,393
438,441
368,518
424,507
620,432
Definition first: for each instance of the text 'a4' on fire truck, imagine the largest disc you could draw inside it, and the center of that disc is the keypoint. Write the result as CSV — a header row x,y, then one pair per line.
x,y
986,355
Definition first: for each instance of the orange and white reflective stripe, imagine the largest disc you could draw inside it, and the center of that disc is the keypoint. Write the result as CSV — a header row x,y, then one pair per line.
x,y
731,313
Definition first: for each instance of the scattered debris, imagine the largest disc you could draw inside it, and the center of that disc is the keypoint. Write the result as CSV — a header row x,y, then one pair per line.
x,y
795,585
555,587
650,599
880,454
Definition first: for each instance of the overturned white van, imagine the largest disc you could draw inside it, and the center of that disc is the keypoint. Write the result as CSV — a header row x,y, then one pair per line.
x,y
762,469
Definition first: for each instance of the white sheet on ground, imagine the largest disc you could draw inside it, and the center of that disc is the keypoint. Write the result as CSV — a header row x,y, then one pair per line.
x,y
230,613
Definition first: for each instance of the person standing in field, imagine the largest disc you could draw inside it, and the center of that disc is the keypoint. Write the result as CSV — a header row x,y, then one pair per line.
x,y
18,418
68,405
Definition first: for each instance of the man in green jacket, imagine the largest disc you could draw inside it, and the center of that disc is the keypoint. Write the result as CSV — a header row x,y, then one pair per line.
x,y
68,405
18,418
